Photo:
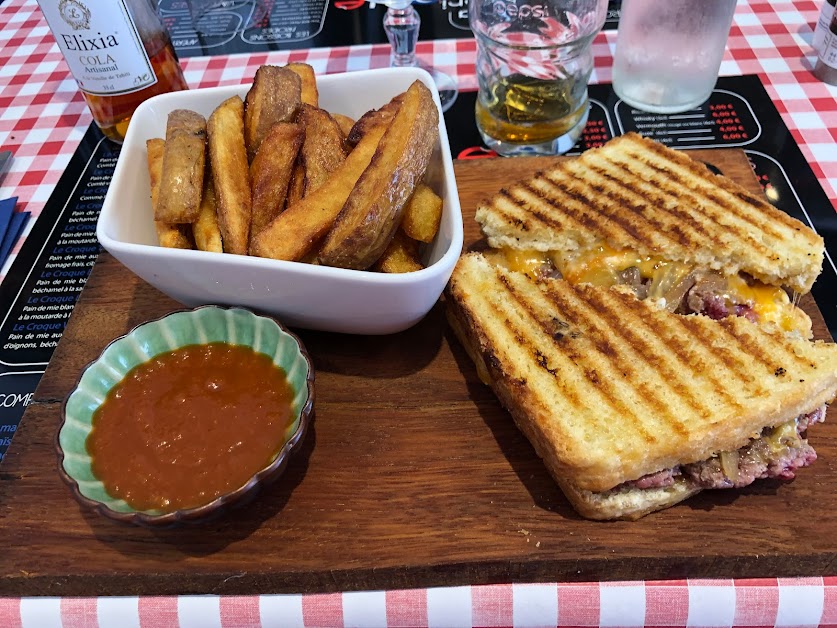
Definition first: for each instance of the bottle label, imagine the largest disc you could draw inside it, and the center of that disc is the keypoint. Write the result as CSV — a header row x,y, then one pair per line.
x,y
821,30
828,52
101,44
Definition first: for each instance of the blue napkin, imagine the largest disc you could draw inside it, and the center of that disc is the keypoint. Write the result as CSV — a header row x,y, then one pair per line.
x,y
7,208
11,226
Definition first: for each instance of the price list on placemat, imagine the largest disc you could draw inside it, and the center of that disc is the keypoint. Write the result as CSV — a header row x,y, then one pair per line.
x,y
291,24
48,276
49,272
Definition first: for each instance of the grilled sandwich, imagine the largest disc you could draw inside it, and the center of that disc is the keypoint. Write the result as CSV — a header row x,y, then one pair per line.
x,y
634,408
637,213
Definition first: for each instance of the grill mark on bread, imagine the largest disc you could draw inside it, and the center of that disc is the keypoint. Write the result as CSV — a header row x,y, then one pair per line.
x,y
761,205
533,212
542,212
703,184
626,320
563,187
560,294
680,218
571,394
730,352
769,357
698,193
567,353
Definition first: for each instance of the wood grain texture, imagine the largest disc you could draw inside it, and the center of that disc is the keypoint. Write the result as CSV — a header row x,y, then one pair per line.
x,y
411,476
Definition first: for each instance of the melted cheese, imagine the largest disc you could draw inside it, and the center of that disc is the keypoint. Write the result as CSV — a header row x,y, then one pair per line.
x,y
601,266
771,304
525,261
783,437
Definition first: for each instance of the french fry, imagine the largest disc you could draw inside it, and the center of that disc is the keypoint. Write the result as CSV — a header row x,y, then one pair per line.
x,y
310,94
181,181
422,214
274,97
400,256
205,229
270,173
373,118
296,187
172,236
230,174
323,149
372,212
298,229
344,122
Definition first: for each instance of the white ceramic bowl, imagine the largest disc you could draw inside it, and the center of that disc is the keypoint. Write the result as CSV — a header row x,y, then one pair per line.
x,y
301,295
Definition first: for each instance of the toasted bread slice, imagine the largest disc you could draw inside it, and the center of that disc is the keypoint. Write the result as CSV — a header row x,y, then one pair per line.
x,y
637,195
610,389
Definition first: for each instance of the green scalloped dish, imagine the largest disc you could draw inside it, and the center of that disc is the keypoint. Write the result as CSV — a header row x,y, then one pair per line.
x,y
189,327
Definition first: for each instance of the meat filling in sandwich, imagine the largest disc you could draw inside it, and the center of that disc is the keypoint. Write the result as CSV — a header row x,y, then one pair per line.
x,y
777,453
681,288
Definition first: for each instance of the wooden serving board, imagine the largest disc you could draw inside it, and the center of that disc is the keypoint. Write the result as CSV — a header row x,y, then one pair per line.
x,y
412,476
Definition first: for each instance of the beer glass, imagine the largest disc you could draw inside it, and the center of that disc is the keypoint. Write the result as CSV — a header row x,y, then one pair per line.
x,y
668,52
534,60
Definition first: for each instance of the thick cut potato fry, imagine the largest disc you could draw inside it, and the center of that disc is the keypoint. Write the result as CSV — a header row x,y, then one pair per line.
x,y
299,229
270,173
171,236
154,149
373,210
181,182
324,148
400,256
205,229
274,97
310,94
344,122
422,214
230,174
372,119
296,187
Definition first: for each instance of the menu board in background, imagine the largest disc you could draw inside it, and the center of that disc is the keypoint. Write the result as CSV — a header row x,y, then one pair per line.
x,y
50,271
295,24
48,275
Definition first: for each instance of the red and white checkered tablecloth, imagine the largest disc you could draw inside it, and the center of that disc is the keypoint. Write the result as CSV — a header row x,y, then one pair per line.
x,y
43,118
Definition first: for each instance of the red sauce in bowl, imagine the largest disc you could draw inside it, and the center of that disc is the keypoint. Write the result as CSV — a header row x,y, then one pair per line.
x,y
190,425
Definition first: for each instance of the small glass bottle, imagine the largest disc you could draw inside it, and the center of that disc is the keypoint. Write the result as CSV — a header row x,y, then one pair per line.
x,y
821,29
119,53
826,67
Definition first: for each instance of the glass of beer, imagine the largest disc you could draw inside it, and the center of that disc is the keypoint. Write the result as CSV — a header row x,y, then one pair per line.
x,y
534,60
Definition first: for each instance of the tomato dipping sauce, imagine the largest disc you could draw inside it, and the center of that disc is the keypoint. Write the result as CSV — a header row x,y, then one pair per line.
x,y
190,425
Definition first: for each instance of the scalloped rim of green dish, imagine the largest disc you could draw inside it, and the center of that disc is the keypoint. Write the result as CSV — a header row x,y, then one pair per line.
x,y
125,352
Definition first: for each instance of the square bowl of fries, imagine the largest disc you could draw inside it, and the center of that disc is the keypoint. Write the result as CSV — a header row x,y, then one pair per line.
x,y
329,202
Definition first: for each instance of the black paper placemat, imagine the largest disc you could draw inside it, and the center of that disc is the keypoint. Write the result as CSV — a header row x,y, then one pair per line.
x,y
297,24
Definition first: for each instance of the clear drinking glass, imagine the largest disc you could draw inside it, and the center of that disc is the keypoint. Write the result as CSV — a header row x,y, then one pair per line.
x,y
668,52
401,24
533,65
